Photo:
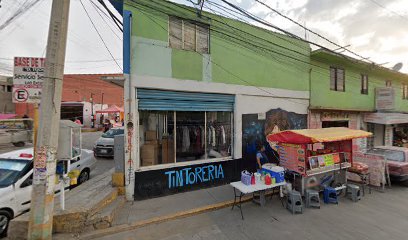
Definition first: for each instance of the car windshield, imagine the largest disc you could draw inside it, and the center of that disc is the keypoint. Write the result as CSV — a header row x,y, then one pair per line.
x,y
112,132
10,170
391,155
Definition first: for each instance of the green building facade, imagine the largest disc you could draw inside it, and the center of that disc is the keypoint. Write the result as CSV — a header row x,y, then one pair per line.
x,y
348,92
202,91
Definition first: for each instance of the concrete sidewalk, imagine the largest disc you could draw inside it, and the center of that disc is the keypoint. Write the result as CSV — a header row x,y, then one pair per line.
x,y
137,214
162,206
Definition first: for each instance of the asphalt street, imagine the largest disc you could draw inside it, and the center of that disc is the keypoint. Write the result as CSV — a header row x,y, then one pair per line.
x,y
377,216
88,141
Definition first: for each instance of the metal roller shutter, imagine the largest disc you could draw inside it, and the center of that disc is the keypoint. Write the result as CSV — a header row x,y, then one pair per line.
x,y
184,101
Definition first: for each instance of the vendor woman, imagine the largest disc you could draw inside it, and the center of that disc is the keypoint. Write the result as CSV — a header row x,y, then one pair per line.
x,y
261,157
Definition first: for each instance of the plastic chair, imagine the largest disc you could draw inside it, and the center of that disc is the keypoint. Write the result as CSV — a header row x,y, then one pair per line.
x,y
353,192
294,202
330,195
312,199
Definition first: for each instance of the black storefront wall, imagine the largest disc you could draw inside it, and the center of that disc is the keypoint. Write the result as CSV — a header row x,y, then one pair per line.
x,y
156,183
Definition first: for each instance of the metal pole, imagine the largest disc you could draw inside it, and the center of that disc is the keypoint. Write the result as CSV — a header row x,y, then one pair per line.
x,y
42,199
92,112
102,101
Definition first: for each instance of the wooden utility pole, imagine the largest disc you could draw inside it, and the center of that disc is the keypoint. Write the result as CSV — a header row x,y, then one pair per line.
x,y
42,198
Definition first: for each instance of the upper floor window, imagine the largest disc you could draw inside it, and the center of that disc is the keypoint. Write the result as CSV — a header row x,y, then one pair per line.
x,y
364,84
388,83
188,35
337,79
404,91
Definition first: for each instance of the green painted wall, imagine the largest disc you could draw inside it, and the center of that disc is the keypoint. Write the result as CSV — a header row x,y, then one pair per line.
x,y
237,54
352,99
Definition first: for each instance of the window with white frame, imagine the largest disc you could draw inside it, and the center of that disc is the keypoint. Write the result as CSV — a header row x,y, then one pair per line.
x,y
388,83
337,82
188,35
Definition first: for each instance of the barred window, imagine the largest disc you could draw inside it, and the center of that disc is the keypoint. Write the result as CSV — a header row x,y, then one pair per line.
x,y
188,35
337,82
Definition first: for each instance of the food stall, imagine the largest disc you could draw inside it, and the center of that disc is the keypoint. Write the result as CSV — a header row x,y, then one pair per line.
x,y
314,158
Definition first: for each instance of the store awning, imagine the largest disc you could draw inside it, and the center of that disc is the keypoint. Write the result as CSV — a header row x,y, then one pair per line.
x,y
111,109
320,135
386,118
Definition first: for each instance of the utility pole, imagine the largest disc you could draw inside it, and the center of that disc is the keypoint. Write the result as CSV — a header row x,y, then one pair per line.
x,y
42,198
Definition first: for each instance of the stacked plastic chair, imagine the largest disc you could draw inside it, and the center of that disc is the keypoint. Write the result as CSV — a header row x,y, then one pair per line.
x,y
312,199
294,202
353,192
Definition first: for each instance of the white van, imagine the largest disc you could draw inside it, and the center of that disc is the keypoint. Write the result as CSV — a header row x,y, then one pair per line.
x,y
16,174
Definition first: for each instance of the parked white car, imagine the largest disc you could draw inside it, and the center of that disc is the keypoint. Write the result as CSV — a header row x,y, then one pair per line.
x,y
104,145
16,174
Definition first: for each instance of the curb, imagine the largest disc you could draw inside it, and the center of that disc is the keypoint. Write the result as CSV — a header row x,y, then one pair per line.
x,y
89,130
155,220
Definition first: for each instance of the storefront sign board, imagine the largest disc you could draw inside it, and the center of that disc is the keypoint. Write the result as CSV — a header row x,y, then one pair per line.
x,y
161,182
27,79
334,116
384,98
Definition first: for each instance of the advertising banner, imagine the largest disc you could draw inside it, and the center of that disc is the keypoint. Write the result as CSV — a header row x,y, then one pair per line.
x,y
376,165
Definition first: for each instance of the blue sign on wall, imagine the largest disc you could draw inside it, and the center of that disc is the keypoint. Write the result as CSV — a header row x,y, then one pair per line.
x,y
190,176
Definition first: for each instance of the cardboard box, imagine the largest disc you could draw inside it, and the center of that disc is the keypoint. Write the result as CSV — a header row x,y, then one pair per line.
x,y
151,135
149,162
167,151
149,151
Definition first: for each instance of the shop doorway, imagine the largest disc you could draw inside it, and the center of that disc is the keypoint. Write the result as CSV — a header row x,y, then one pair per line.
x,y
72,111
329,124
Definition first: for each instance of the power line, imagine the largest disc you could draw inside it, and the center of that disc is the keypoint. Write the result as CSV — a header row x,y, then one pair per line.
x,y
114,18
18,13
108,16
307,29
97,9
389,10
325,74
227,71
100,36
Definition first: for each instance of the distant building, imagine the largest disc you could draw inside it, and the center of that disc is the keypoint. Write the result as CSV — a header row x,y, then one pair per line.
x,y
6,86
83,94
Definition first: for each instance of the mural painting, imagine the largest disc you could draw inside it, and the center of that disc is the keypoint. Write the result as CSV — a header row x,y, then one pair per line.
x,y
254,133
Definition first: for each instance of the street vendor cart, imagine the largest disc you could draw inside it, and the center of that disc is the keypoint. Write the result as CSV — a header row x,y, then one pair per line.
x,y
316,158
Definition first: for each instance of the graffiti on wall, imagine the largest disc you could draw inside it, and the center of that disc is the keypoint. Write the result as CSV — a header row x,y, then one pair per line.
x,y
254,131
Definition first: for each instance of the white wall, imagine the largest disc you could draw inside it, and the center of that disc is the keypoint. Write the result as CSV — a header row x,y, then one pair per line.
x,y
87,113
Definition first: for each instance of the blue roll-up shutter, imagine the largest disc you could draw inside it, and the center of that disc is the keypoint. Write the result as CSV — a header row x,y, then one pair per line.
x,y
184,101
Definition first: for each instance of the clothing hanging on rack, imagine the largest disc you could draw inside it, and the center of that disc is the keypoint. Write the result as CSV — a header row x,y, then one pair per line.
x,y
186,139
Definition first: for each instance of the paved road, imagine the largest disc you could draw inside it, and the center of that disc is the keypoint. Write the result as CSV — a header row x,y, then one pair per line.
x,y
88,141
103,164
378,216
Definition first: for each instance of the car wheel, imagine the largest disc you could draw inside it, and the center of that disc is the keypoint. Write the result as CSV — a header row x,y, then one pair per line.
x,y
5,218
19,144
83,177
405,183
